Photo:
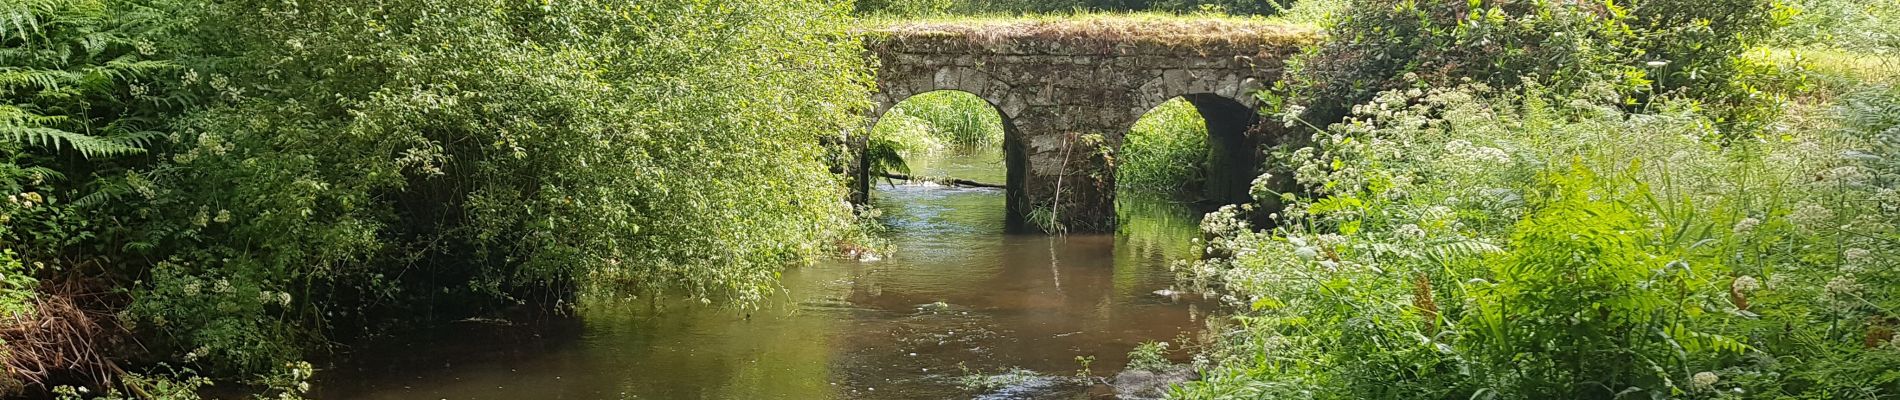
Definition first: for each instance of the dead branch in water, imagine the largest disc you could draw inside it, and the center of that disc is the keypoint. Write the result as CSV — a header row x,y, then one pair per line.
x,y
945,181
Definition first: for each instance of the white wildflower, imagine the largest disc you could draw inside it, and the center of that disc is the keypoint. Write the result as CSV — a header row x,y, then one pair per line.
x,y
1306,253
1292,115
1705,379
1411,231
1811,215
1745,283
1746,226
1856,255
1848,174
1843,285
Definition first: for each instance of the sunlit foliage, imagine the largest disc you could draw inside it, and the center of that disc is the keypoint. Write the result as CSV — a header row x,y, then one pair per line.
x,y
1465,243
1166,151
354,165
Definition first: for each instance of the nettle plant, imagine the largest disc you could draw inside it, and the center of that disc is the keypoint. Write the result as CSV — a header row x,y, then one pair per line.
x,y
1468,243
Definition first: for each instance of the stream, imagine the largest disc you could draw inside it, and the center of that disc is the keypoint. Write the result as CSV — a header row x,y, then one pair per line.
x,y
953,299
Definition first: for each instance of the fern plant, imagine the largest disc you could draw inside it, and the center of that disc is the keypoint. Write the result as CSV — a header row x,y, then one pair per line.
x,y
80,76
83,85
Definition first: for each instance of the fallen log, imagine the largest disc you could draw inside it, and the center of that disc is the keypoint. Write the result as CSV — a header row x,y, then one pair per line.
x,y
944,181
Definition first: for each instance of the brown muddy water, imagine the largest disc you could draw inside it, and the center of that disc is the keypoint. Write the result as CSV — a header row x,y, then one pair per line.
x,y
954,297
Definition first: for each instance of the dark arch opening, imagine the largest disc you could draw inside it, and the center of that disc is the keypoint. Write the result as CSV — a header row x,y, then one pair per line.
x,y
1233,158
955,118
1220,167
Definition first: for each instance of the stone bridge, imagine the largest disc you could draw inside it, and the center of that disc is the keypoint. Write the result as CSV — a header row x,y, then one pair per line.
x,y
1068,91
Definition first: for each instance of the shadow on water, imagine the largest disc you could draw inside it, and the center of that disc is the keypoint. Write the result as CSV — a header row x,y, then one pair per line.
x,y
953,295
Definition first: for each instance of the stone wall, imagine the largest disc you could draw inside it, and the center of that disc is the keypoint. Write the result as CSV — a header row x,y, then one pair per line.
x,y
1068,98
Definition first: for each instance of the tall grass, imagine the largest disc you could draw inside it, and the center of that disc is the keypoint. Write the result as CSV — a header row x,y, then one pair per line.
x,y
948,118
928,126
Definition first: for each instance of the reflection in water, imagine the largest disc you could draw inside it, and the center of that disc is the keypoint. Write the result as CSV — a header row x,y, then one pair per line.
x,y
953,293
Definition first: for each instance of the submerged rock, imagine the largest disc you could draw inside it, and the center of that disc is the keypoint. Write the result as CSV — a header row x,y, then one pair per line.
x,y
1150,384
1016,383
937,306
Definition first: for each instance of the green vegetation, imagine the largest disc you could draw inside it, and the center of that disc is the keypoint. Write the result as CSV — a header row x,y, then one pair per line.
x,y
1646,210
1491,198
933,123
940,120
1165,153
237,184
1149,356
914,8
1862,26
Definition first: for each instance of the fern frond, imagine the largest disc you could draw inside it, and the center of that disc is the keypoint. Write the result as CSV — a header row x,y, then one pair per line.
x,y
12,115
88,146
12,78
882,156
1462,248
140,139
110,192
46,173
22,17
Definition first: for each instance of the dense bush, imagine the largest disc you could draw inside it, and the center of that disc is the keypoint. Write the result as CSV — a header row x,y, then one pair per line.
x,y
449,156
88,90
88,86
1648,47
1476,244
354,166
1843,24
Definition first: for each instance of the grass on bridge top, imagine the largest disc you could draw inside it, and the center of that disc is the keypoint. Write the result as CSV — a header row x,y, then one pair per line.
x,y
1167,30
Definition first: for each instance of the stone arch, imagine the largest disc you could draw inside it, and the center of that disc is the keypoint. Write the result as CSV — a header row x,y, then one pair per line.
x,y
1165,85
1015,158
1234,154
896,89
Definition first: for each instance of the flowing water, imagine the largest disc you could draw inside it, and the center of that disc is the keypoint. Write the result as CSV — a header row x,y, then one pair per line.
x,y
954,297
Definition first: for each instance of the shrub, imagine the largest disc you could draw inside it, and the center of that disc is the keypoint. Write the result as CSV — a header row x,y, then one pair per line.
x,y
903,8
1865,26
87,84
1475,244
445,157
1648,47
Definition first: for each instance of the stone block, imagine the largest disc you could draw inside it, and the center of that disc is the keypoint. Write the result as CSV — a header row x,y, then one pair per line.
x,y
1174,82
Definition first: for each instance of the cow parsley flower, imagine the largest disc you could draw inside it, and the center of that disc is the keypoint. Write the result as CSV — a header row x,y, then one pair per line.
x,y
1411,231
1843,285
1705,380
1856,255
1811,215
1746,226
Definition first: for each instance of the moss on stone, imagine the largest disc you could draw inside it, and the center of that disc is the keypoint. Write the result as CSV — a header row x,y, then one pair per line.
x,y
1092,35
